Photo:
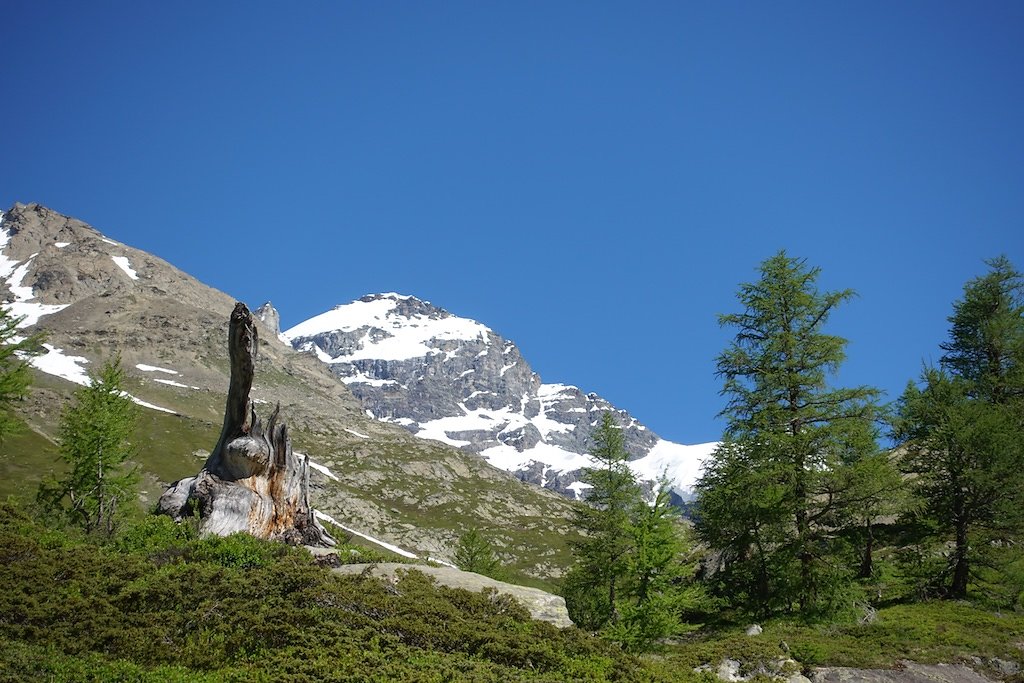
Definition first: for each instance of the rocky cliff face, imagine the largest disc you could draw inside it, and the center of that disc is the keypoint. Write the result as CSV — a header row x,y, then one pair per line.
x,y
455,380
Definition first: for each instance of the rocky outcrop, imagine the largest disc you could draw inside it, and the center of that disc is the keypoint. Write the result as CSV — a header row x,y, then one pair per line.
x,y
269,316
542,606
252,481
910,672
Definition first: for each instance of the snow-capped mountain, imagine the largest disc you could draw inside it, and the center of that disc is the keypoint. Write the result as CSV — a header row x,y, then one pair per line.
x,y
455,380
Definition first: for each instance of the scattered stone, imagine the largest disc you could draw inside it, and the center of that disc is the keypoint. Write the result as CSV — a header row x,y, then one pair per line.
x,y
330,560
754,630
785,666
1004,667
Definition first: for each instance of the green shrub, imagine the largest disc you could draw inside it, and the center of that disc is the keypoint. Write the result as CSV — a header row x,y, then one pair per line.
x,y
153,534
238,609
237,551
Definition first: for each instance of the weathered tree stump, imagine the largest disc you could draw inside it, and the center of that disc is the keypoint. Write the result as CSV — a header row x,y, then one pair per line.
x,y
252,481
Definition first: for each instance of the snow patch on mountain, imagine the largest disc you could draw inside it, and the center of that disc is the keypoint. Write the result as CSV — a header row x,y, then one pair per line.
x,y
682,465
59,364
154,368
384,544
124,264
55,362
145,404
13,273
322,469
172,383
380,314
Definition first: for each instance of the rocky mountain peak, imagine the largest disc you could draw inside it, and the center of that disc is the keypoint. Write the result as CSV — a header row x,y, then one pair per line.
x,y
269,316
408,306
455,380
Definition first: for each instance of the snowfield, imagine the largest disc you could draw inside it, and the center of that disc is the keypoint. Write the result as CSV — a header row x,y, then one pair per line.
x,y
379,313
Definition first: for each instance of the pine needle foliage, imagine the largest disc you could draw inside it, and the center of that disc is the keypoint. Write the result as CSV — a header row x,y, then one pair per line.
x,y
474,553
627,581
961,429
603,553
15,375
94,440
775,491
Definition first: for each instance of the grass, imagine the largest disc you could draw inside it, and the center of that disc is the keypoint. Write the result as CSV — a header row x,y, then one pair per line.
x,y
928,632
24,456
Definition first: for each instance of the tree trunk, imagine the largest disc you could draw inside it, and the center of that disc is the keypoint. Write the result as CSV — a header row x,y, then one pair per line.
x,y
867,562
252,481
961,568
806,591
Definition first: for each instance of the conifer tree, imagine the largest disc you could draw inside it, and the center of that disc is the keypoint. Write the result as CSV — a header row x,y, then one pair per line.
x,y
475,553
653,575
15,375
627,577
962,426
602,555
875,490
778,484
93,440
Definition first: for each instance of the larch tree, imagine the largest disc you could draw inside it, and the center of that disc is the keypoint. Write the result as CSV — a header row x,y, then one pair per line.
x,y
626,581
652,587
94,440
961,427
776,491
606,522
15,376
474,553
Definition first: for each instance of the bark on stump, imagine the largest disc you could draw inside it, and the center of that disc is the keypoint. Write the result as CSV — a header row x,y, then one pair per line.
x,y
252,481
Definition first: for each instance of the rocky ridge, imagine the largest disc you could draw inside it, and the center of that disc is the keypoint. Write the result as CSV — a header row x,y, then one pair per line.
x,y
457,381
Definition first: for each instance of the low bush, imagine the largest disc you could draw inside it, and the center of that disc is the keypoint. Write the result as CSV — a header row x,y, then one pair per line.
x,y
158,604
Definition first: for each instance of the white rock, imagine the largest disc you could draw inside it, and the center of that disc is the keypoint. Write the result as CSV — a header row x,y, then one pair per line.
x,y
729,670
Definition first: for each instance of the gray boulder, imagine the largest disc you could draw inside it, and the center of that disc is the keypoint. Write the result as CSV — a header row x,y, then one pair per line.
x,y
542,606
911,672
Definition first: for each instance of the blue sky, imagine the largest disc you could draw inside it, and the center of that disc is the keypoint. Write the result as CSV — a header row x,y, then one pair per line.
x,y
592,180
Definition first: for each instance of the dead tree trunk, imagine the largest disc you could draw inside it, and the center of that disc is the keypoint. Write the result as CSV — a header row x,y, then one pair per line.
x,y
252,481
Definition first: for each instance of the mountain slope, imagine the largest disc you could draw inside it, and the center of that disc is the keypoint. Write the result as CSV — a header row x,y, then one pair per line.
x,y
455,380
95,297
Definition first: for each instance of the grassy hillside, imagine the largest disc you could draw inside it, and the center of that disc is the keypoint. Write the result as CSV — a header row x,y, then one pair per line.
x,y
417,494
